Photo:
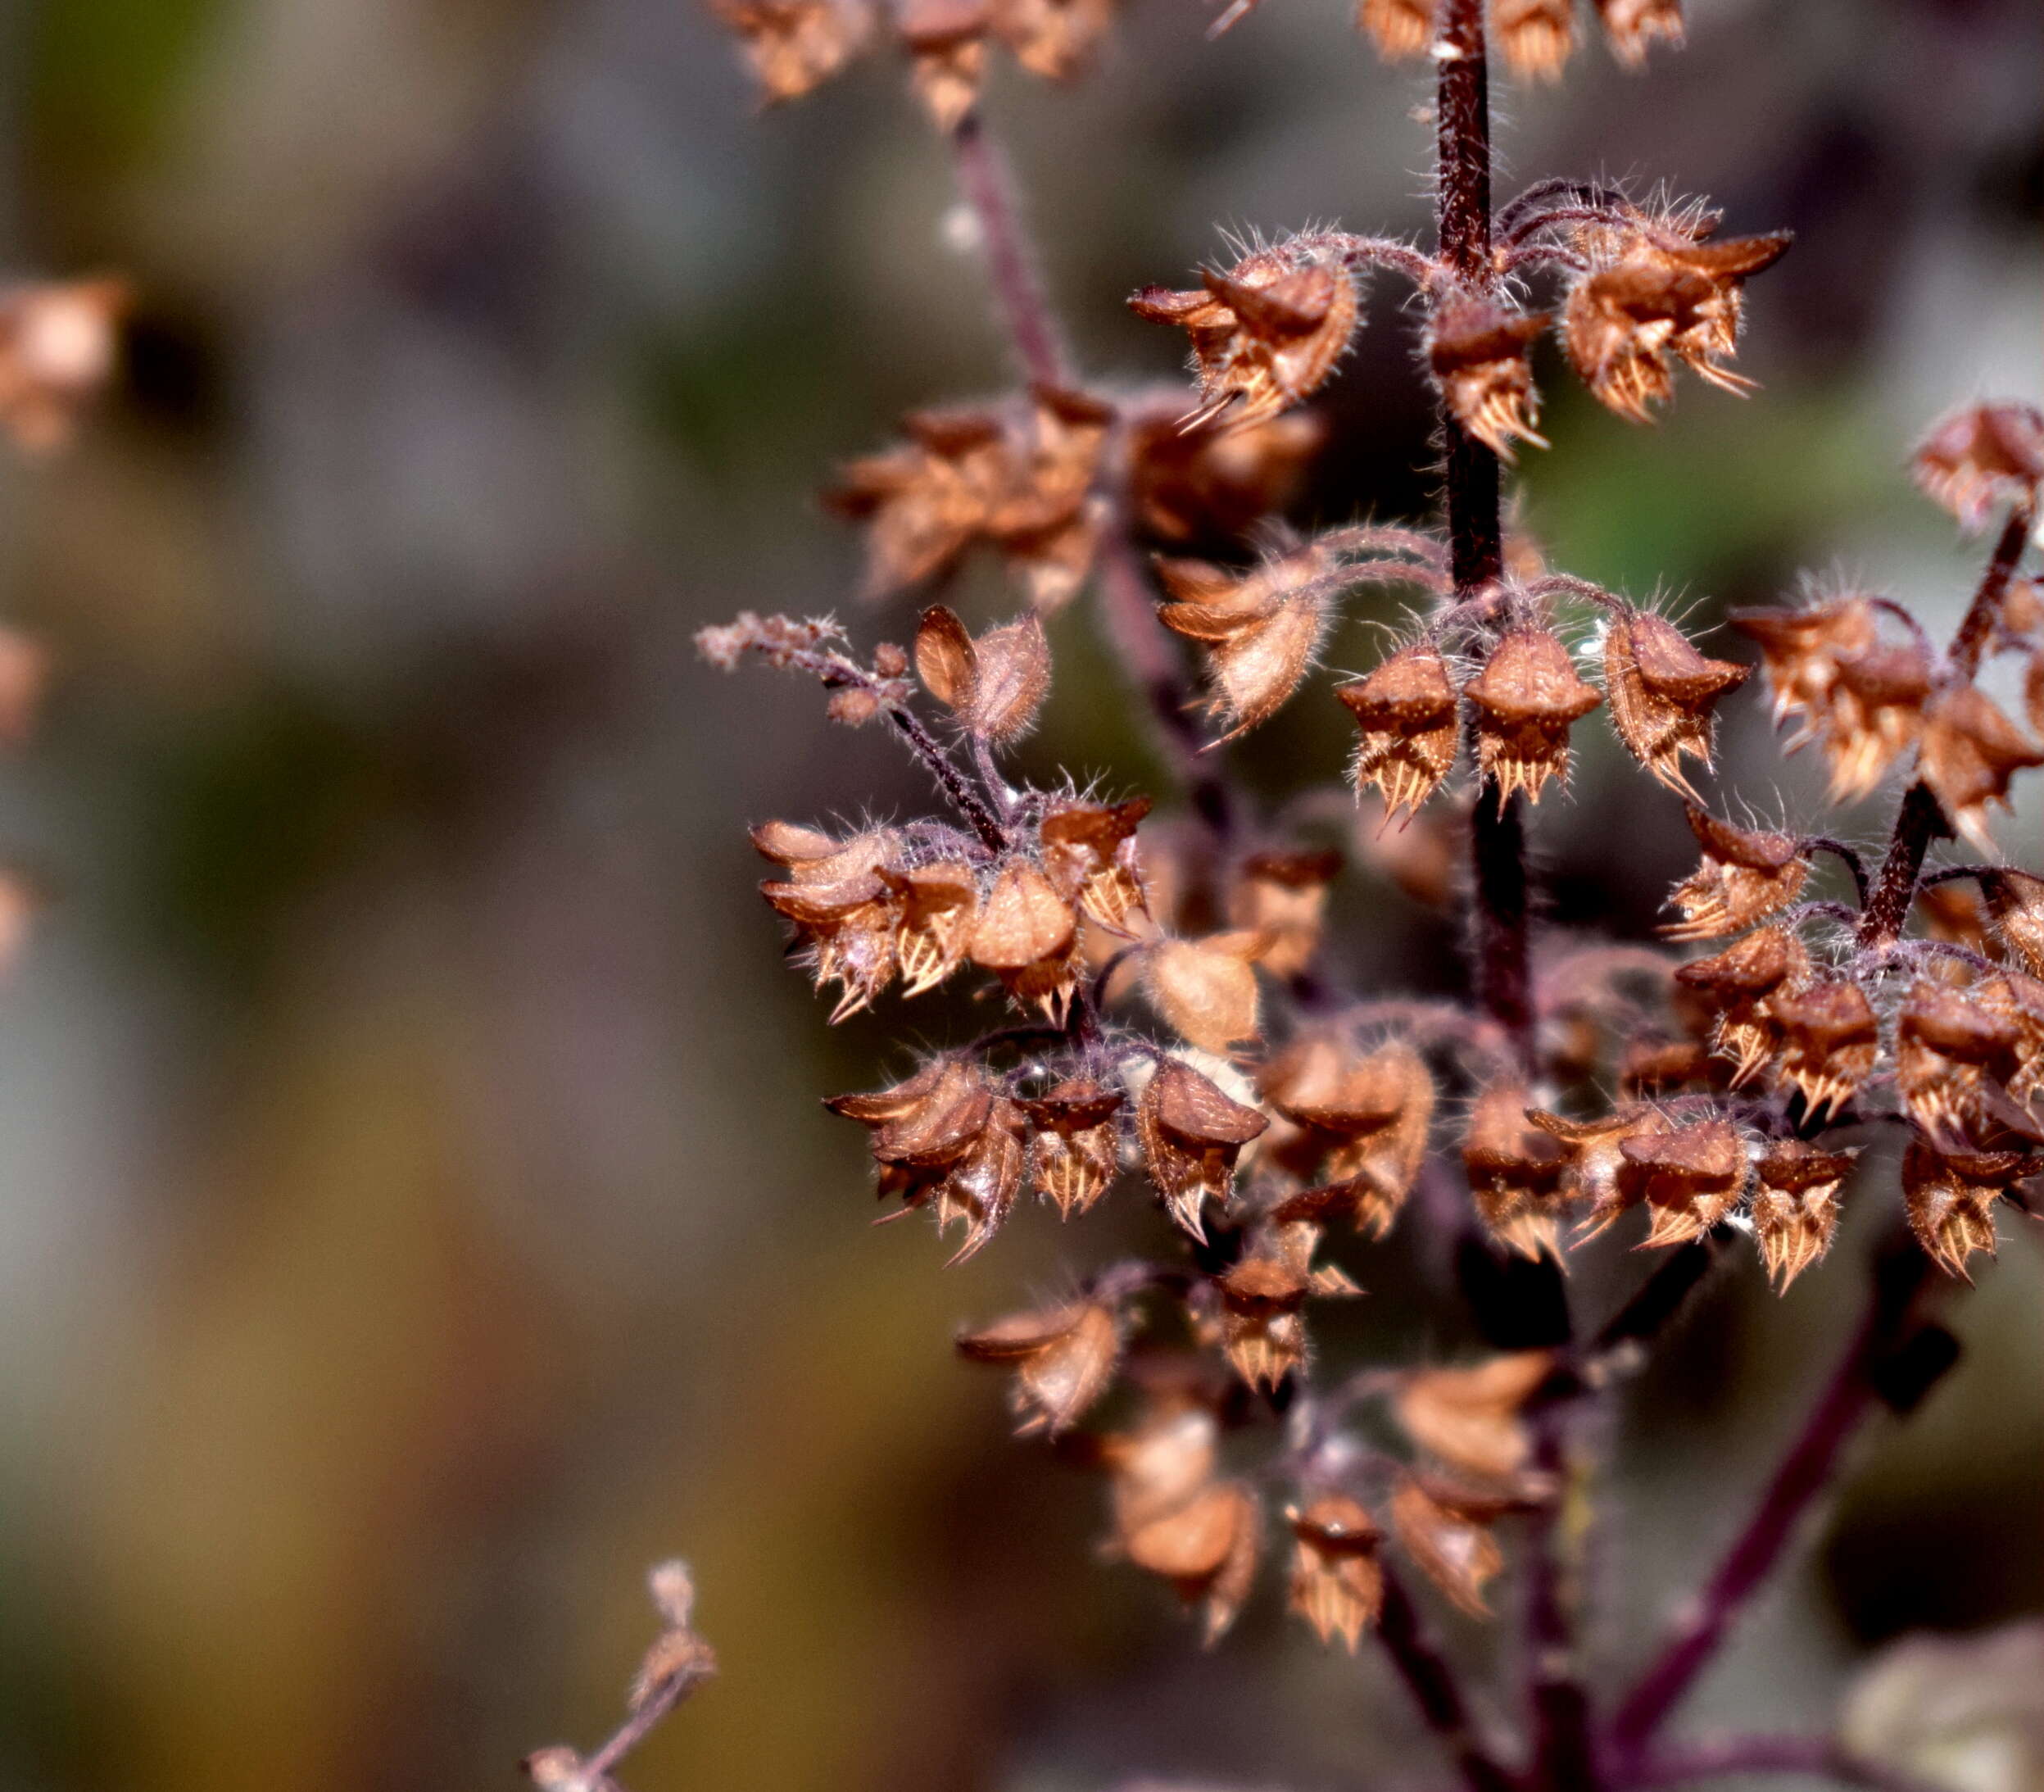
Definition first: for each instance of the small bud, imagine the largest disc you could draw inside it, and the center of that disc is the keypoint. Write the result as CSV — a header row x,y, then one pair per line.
x,y
1400,28
1949,1046
1537,37
1478,352
1982,457
1971,751
1796,1206
1950,1196
1690,1176
1471,1417
1406,711
794,46
1337,1583
1259,631
1514,1172
1829,1041
1747,875
1630,26
1074,1147
1206,989
1191,1134
1527,697
1662,692
1265,334
1454,1551
1063,1359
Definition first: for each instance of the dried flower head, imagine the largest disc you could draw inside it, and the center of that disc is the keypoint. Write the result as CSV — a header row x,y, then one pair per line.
x,y
1747,875
1876,712
1592,1160
794,46
845,915
1526,698
1830,1038
1951,1195
59,342
1191,1135
1210,484
1260,629
1801,649
1173,1519
1024,933
1471,1418
1514,1171
1742,984
1074,1146
1337,1582
1949,1047
1400,28
1089,853
1406,711
1265,334
1063,1358
1360,1125
1970,750
1662,692
1281,897
1537,37
1263,1328
1982,457
936,909
1690,1175
1449,1543
1478,352
1795,1207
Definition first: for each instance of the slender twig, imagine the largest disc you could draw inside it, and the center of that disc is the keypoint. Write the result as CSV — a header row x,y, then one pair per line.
x,y
1819,1756
1434,1688
1977,624
1839,850
967,801
1557,1704
1803,1473
1011,267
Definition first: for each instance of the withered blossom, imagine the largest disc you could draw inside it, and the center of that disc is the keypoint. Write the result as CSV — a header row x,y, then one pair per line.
x,y
1662,695
937,907
2016,904
1830,1041
1800,650
1527,697
1592,1160
1192,1133
1741,983
1876,713
1259,629
946,42
1471,1418
1795,1205
1949,1197
1478,352
1537,37
1970,750
794,46
1054,38
1514,1172
1074,1146
1266,333
1747,875
1949,1048
1090,855
1406,711
1982,457
1205,988
845,916
1024,933
1063,1358
1449,1544
1356,1125
1337,1583
1263,1294
1690,1175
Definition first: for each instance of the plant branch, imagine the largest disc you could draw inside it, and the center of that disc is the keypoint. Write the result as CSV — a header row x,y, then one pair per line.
x,y
1011,266
1977,624
1434,1690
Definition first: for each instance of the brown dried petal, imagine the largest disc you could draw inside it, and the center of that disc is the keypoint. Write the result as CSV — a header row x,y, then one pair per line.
x,y
1457,1555
1337,1583
1406,711
1282,897
1662,691
1527,697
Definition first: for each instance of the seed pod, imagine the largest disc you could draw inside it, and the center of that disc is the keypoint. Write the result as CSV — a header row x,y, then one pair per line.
x,y
1982,457
937,905
1742,983
1514,1172
1211,485
1282,896
1971,751
1259,631
1206,989
1948,1048
1630,26
2016,904
1662,692
1747,875
1454,1551
1800,650
1024,934
1063,1359
794,46
1829,1041
994,685
1592,1161
1044,518
2019,1001
1471,1417
1536,37
1951,1197
1796,1206
1337,1583
1690,1176
1876,713
1527,697
1265,334
1191,1135
1089,853
846,927
1400,28
1363,1128
1173,1519
1263,1328
1073,1147
1406,711
924,503
1478,351
945,1137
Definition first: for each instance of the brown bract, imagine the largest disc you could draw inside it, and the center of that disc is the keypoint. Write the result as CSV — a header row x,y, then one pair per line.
x,y
1266,333
1174,1519
1795,1207
793,46
1747,875
59,342
1950,1196
1630,26
1662,692
1971,751
1063,1358
1592,1160
1471,1418
1210,484
1982,457
1024,933
1526,698
1514,1171
1830,1039
1949,1048
1259,629
994,685
1406,711
1337,1583
1690,1175
1450,1546
1074,1143
1653,303
1191,1135
1358,1126
1477,350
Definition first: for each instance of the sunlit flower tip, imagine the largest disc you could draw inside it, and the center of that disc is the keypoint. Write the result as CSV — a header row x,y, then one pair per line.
x,y
1654,303
59,342
1063,1358
1970,750
1982,457
1282,897
1054,38
946,41
1949,1046
1337,1582
1662,693
1591,1161
1747,874
1951,1195
1359,1125
1074,1142
1830,1038
1259,630
1630,27
1091,855
1265,334
1406,711
1400,28
1527,697
1448,1542
1741,983
1801,649
1876,713
1535,36
1478,351
1472,1418
1200,486
1514,1171
794,46
1191,1134
1690,1175
1025,933
1795,1206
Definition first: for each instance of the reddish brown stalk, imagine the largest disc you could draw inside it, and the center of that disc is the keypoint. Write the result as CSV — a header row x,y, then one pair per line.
x,y
1434,1690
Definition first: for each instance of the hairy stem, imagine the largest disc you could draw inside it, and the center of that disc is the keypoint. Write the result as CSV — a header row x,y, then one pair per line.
x,y
1802,1474
1977,624
1434,1690
1011,266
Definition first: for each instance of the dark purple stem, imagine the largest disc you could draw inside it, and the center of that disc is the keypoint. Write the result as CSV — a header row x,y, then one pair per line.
x,y
982,177
1434,1690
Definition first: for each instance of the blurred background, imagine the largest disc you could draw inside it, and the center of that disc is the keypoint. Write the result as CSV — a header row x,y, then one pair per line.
x,y
417,1215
